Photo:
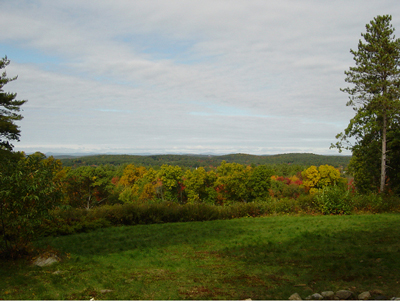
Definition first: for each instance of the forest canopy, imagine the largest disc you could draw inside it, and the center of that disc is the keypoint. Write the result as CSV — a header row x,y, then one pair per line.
x,y
193,161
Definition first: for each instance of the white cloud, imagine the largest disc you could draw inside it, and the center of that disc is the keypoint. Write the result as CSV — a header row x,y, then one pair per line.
x,y
237,76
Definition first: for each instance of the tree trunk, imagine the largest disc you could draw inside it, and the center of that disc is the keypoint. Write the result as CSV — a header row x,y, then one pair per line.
x,y
383,160
89,199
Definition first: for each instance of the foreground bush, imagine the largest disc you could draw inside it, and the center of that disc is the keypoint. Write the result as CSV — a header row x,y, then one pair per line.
x,y
334,200
28,191
375,203
63,222
330,200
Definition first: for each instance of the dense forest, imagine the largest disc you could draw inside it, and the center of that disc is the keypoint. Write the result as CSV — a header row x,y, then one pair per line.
x,y
193,161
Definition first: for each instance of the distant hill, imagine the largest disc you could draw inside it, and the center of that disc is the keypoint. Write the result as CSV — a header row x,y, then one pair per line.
x,y
192,161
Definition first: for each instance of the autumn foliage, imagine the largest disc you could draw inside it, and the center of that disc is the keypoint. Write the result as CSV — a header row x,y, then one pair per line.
x,y
323,176
86,187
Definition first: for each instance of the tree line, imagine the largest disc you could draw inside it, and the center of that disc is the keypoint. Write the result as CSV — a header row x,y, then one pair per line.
x,y
89,186
206,161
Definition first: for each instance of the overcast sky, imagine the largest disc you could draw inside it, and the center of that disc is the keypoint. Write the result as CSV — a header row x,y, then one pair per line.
x,y
256,77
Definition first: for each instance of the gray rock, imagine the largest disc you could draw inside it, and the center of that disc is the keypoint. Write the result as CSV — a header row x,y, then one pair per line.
x,y
43,261
105,291
344,295
364,296
316,296
295,296
328,295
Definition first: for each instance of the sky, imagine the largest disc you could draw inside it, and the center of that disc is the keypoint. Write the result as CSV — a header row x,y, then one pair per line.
x,y
194,77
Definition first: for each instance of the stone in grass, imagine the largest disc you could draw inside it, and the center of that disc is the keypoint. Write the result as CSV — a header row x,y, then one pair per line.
x,y
315,296
364,296
43,261
328,295
105,291
295,296
344,295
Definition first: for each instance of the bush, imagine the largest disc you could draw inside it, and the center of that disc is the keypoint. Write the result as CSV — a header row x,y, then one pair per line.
x,y
281,189
308,204
74,220
334,200
57,226
330,200
28,191
376,203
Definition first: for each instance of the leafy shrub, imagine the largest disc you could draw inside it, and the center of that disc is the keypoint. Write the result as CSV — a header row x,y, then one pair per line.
x,y
330,200
376,203
73,220
334,200
28,190
282,187
308,204
285,205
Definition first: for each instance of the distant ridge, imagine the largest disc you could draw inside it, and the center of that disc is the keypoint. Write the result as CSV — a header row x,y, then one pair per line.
x,y
206,160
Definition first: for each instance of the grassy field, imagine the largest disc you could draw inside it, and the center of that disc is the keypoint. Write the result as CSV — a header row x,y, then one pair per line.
x,y
257,258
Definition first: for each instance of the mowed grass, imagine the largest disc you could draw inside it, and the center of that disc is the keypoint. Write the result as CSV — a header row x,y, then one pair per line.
x,y
257,258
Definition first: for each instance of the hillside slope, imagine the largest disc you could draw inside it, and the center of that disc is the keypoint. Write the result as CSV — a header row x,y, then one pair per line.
x,y
192,161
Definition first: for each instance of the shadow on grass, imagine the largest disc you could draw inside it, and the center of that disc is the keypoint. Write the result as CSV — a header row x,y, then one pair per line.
x,y
125,238
325,260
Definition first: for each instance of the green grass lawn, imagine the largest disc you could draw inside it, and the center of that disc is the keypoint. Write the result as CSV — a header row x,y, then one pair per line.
x,y
257,258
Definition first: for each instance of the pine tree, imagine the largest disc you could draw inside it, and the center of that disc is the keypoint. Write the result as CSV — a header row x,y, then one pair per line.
x,y
374,95
9,108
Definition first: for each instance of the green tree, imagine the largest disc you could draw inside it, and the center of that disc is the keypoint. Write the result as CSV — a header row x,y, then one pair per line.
x,y
86,186
260,182
199,186
29,188
233,182
374,97
9,108
172,186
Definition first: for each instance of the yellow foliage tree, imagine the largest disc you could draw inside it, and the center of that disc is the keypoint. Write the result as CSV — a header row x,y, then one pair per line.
x,y
329,176
132,174
311,177
144,187
325,175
